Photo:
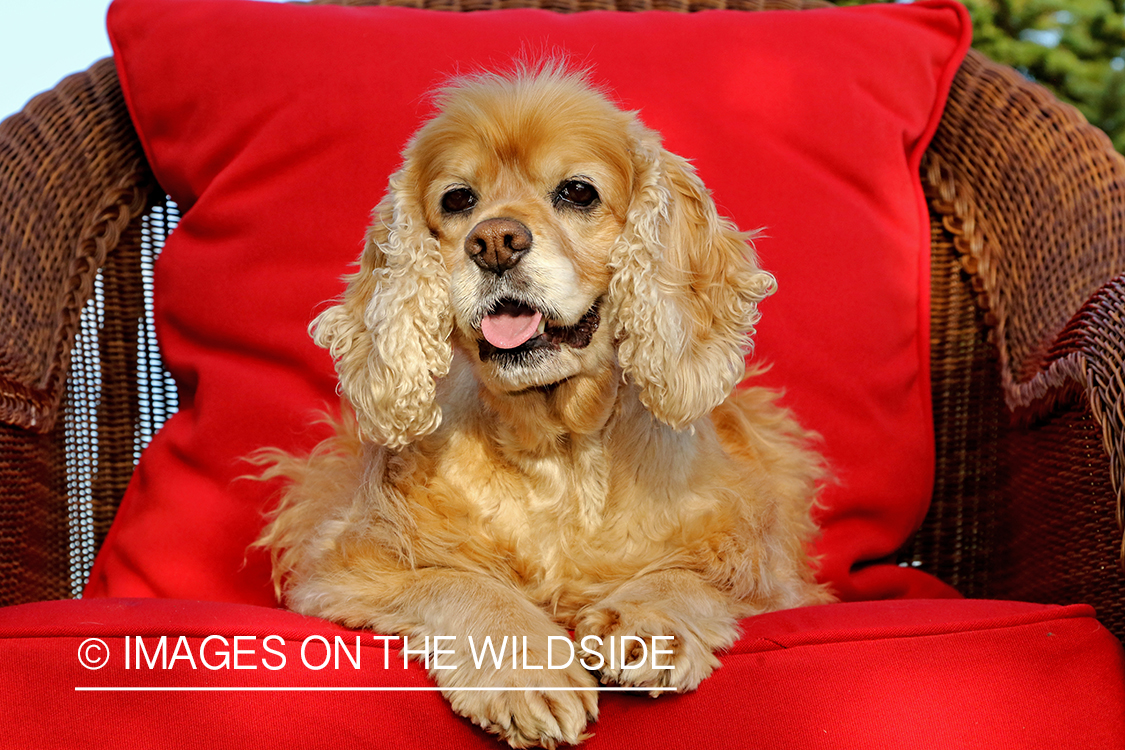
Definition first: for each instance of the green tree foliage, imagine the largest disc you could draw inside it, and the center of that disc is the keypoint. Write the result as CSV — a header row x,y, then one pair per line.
x,y
1076,48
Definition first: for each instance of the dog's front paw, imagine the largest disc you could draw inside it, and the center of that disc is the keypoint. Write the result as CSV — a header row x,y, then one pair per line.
x,y
542,708
636,645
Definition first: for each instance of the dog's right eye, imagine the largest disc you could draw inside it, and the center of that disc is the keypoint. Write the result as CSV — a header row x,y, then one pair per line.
x,y
458,200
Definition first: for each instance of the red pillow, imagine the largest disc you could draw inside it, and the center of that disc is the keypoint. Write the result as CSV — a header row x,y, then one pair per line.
x,y
275,128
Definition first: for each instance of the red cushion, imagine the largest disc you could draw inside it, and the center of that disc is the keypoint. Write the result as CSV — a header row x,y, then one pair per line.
x,y
275,126
905,674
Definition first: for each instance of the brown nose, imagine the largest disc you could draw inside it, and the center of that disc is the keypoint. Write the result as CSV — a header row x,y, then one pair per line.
x,y
497,245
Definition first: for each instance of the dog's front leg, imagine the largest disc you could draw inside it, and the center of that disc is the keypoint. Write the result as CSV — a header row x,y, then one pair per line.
x,y
501,640
660,629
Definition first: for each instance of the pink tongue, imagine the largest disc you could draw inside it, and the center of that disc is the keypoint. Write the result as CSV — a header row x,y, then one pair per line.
x,y
510,327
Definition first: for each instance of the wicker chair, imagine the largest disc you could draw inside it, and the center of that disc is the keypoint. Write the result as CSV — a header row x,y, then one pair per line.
x,y
1027,205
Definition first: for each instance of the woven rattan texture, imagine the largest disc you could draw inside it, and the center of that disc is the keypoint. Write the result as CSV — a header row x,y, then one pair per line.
x,y
958,539
72,182
34,555
57,220
1062,540
1025,201
1038,198
107,421
1035,201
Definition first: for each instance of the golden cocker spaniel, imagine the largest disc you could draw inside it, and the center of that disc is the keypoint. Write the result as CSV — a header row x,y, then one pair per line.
x,y
541,347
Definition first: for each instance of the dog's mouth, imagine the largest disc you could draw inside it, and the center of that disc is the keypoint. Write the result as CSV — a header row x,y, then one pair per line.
x,y
513,328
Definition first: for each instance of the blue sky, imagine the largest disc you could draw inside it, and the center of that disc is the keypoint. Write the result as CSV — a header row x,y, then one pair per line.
x,y
43,41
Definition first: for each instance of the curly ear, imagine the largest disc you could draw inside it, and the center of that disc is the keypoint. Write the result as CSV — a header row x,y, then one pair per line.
x,y
685,289
390,333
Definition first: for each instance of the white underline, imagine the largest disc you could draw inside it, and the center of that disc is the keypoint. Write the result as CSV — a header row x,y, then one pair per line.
x,y
174,689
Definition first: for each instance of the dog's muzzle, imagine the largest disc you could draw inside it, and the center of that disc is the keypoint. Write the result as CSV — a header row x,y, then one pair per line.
x,y
513,329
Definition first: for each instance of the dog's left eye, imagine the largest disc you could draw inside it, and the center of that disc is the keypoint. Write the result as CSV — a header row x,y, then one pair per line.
x,y
578,193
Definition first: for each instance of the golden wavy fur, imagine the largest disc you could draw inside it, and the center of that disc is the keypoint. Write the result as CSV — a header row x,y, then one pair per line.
x,y
603,475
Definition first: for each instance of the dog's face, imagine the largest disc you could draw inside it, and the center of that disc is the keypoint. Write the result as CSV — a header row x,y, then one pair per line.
x,y
546,233
526,203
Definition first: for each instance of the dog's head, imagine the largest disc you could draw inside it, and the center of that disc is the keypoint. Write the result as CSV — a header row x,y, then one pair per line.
x,y
544,232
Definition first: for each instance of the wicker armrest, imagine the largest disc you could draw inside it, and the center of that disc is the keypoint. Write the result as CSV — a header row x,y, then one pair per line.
x,y
1034,200
73,181
71,177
